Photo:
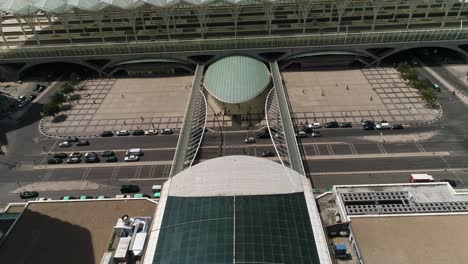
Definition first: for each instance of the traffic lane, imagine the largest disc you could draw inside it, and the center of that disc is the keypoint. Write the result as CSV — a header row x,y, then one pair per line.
x,y
323,182
376,164
161,141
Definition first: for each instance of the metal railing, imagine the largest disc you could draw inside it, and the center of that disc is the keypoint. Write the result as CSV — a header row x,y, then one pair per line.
x,y
275,127
267,42
288,128
193,128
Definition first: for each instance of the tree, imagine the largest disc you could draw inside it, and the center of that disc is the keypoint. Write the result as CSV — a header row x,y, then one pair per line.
x,y
67,88
58,98
429,96
51,109
74,97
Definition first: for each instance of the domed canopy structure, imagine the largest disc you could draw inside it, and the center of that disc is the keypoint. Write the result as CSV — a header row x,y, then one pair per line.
x,y
236,79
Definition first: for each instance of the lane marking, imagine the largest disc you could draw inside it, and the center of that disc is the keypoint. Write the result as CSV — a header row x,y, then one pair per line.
x,y
381,148
385,171
330,150
353,149
115,172
381,155
137,172
85,174
420,147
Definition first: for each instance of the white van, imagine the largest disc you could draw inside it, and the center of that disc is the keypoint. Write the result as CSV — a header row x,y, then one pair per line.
x,y
421,177
134,151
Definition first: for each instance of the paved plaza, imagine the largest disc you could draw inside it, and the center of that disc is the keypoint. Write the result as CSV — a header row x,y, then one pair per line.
x,y
132,103
352,95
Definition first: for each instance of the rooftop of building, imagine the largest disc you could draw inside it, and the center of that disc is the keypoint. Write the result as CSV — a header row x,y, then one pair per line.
x,y
68,231
236,79
412,239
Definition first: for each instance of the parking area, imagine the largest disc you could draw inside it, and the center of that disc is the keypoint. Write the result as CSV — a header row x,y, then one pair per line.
x,y
131,103
354,95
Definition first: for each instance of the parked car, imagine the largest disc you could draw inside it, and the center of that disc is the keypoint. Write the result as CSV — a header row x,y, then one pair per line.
x,y
85,197
72,139
316,134
29,194
268,153
383,126
138,132
112,159
66,198
369,126
122,196
122,133
107,134
92,159
151,132
21,98
250,140
129,188
107,153
345,124
332,124
41,88
100,197
44,199
23,103
75,154
451,182
65,144
60,155
36,87
74,160
302,134
397,126
166,131
54,161
83,143
365,122
32,97
141,195
132,158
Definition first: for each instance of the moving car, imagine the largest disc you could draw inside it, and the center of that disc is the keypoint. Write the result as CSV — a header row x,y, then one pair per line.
x,y
138,132
451,182
107,134
129,188
166,131
250,140
29,194
420,177
54,161
151,132
397,126
316,134
345,124
65,144
316,125
112,159
302,134
436,87
383,126
132,158
83,143
74,160
332,124
72,139
268,153
122,133
60,155
107,153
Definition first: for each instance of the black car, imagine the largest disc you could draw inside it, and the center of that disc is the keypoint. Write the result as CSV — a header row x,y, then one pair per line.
x,y
366,122
268,153
29,195
332,124
83,143
451,182
92,159
129,189
138,132
36,87
397,126
107,134
345,124
72,139
369,126
31,97
60,155
41,88
112,159
54,161
264,134
107,153
73,160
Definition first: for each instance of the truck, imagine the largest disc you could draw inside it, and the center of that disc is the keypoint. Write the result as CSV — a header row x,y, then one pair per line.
x,y
421,177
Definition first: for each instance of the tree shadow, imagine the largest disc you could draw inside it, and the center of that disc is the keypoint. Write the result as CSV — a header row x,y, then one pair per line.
x,y
59,118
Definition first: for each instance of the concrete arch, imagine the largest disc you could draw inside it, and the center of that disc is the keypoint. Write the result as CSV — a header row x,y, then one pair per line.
x,y
364,58
114,66
397,50
29,65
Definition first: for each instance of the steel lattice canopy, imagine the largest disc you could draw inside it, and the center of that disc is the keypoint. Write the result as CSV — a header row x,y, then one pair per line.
x,y
19,7
161,3
53,6
124,4
89,5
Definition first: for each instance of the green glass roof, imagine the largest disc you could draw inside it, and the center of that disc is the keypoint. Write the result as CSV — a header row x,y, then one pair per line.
x,y
236,79
258,228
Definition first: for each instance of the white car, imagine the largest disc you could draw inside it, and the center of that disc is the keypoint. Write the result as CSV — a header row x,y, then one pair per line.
x,y
316,134
65,144
250,140
315,125
383,126
122,133
88,154
43,199
151,132
302,134
166,131
132,158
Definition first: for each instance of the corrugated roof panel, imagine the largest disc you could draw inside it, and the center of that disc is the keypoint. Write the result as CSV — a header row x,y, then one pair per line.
x,y
53,6
236,79
89,5
20,7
